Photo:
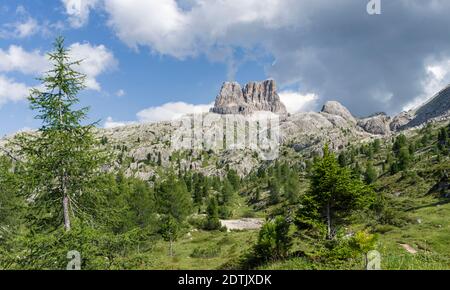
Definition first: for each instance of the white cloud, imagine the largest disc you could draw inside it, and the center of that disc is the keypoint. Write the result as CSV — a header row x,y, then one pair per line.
x,y
297,102
206,26
78,11
438,77
12,91
324,48
171,111
95,61
27,28
17,59
110,123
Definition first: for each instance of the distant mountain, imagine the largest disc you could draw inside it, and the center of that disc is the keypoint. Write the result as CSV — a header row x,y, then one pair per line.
x,y
255,96
143,148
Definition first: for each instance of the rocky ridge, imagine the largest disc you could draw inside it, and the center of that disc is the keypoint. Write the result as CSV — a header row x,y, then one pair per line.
x,y
144,150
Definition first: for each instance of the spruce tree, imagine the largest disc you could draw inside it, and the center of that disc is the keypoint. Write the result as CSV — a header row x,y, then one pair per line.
x,y
333,194
212,219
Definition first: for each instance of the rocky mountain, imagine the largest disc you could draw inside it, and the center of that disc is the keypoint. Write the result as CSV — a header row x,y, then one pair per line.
x,y
143,150
436,109
255,96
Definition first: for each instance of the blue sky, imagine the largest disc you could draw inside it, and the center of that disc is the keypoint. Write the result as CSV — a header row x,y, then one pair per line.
x,y
149,60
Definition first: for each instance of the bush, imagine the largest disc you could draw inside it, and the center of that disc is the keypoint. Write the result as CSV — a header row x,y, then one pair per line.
x,y
274,241
206,253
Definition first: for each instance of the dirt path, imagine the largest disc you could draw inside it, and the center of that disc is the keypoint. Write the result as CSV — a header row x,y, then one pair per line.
x,y
243,224
408,248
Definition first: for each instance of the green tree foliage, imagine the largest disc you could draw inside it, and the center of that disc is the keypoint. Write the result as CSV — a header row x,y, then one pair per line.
x,y
333,194
11,205
274,240
170,231
212,218
173,198
292,190
370,174
444,140
227,192
62,159
274,191
234,179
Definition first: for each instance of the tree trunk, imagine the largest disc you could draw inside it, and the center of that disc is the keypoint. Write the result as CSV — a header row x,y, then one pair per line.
x,y
66,213
328,221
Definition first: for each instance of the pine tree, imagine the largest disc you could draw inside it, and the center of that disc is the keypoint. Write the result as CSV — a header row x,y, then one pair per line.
x,y
371,174
233,178
173,199
212,219
227,192
274,240
292,188
274,191
333,194
62,159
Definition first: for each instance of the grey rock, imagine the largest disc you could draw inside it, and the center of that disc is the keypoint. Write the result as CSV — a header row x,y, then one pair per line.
x,y
255,96
378,124
436,109
401,120
337,109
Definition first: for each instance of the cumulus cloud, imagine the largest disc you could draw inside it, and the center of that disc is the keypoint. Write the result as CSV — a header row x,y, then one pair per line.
x,y
297,102
78,11
339,51
95,61
27,26
26,62
170,111
12,91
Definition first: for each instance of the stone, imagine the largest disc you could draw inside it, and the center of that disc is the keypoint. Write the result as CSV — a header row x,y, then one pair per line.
x,y
254,97
337,109
378,124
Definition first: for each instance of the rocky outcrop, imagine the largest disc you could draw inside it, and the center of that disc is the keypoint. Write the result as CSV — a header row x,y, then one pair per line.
x,y
255,96
337,109
437,107
378,124
401,120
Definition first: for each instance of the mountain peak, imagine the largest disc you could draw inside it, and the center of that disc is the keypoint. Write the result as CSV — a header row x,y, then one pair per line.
x,y
255,96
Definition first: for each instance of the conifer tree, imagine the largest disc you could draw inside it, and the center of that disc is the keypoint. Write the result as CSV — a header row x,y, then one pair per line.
x,y
333,194
62,159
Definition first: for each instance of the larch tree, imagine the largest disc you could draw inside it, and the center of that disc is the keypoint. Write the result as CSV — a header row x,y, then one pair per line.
x,y
61,158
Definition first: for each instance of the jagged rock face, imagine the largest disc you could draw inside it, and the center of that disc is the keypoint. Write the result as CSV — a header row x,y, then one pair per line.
x,y
229,100
336,108
437,108
256,96
378,124
401,120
